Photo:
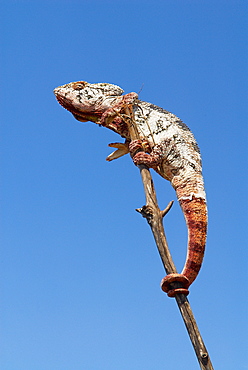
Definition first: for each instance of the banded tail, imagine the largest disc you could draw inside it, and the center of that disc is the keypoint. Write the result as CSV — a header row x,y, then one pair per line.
x,y
195,212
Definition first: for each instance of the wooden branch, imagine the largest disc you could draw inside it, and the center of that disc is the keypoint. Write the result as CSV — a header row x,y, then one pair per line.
x,y
154,217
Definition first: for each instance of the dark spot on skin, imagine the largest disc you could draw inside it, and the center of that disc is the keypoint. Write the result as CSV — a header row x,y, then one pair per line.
x,y
182,125
196,247
195,146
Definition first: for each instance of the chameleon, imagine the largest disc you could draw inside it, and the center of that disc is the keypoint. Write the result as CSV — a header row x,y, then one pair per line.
x,y
164,144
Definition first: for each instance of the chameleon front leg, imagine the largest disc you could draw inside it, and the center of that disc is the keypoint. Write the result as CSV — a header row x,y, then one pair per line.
x,y
110,114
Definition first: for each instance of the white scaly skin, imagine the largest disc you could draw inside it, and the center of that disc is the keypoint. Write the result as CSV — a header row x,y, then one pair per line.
x,y
171,150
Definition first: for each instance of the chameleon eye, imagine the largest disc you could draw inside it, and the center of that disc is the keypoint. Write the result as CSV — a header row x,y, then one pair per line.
x,y
79,85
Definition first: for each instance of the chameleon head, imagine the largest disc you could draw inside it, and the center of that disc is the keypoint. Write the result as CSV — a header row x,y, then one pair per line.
x,y
83,99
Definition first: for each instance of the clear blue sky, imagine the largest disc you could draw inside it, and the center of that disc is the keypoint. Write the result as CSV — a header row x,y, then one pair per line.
x,y
80,272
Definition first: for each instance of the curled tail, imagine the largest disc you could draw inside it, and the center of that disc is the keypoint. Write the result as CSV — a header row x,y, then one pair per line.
x,y
194,208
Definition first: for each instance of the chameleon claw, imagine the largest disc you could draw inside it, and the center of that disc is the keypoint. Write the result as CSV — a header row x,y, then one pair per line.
x,y
173,278
122,149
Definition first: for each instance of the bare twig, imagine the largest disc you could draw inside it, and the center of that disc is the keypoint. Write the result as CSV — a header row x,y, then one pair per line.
x,y
154,217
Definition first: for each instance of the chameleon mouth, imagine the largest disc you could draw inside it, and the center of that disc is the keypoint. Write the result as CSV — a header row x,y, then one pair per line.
x,y
79,118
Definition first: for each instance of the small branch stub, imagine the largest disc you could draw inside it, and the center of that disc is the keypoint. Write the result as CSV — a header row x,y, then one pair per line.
x,y
146,212
167,209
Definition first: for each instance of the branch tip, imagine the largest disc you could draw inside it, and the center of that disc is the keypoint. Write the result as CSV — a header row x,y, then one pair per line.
x,y
166,210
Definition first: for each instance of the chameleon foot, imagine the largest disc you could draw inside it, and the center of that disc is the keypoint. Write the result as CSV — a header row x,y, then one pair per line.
x,y
139,150
122,149
172,278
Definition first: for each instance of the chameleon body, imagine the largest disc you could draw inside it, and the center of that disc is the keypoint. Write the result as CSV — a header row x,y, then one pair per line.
x,y
168,146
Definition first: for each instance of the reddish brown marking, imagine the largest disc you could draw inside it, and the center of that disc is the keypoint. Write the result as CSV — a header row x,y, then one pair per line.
x,y
195,213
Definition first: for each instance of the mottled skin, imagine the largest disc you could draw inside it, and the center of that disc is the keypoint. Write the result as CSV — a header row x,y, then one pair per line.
x,y
170,149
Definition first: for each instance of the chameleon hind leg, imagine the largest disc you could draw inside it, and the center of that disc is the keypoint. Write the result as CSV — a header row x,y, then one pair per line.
x,y
139,150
